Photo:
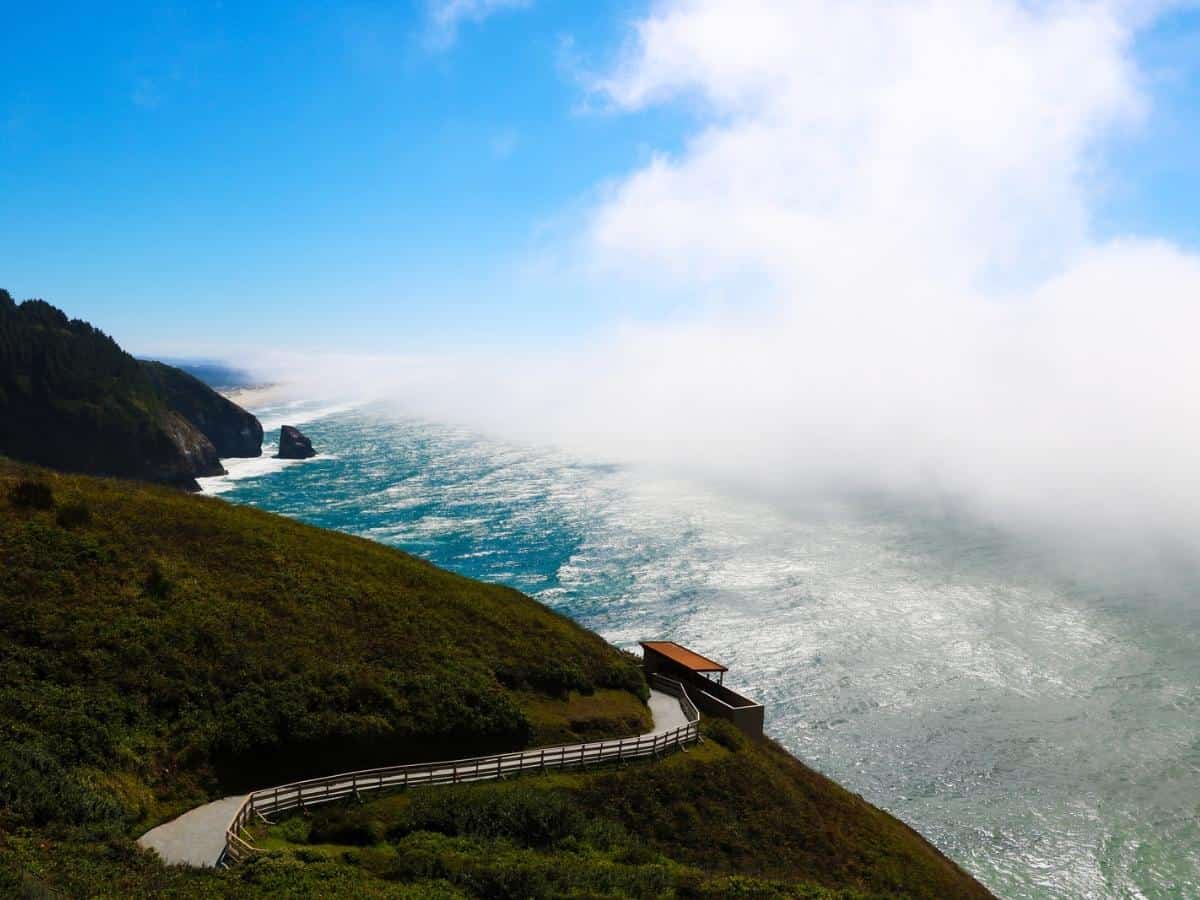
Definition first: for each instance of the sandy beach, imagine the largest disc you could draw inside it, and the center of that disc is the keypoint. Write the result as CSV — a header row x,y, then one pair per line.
x,y
255,397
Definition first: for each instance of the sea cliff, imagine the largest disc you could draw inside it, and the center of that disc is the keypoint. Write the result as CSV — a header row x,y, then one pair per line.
x,y
72,399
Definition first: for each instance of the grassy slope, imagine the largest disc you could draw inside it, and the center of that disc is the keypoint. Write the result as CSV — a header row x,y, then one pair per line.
x,y
175,648
191,646
729,815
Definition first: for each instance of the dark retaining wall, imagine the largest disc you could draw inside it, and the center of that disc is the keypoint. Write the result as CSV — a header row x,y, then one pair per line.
x,y
711,698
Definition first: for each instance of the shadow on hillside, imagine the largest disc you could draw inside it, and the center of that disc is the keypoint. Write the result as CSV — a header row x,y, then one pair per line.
x,y
252,771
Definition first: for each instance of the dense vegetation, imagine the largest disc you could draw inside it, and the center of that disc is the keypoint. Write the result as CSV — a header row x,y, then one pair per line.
x,y
727,818
159,649
71,398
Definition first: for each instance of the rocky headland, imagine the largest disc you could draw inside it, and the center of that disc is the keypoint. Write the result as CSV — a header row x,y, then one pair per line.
x,y
72,399
232,430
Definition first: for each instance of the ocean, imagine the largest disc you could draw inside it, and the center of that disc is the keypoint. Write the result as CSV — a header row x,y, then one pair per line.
x,y
1038,724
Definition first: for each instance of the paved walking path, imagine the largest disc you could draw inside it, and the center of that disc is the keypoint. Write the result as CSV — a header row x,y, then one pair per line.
x,y
197,838
668,714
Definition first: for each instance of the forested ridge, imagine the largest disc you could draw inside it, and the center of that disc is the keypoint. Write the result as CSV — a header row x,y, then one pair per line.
x,y
71,398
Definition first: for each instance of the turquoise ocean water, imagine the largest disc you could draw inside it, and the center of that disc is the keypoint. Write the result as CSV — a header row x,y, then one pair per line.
x,y
1039,725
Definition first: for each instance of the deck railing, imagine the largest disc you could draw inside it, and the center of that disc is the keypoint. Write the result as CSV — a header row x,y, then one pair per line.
x,y
301,794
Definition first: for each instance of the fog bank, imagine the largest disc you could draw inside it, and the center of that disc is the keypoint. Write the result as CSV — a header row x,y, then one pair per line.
x,y
884,210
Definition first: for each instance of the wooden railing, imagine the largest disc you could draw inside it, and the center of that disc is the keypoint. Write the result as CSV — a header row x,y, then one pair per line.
x,y
301,794
237,847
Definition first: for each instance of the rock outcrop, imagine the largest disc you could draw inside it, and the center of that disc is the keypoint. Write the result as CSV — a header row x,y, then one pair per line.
x,y
196,457
232,430
293,444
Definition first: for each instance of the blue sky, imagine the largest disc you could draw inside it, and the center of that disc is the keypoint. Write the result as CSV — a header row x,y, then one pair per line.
x,y
1156,187
301,171
337,175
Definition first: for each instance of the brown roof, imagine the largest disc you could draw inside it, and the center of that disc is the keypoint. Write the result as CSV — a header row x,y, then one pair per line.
x,y
689,659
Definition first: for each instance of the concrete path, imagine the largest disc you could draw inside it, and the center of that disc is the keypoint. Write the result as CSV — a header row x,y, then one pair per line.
x,y
197,838
667,712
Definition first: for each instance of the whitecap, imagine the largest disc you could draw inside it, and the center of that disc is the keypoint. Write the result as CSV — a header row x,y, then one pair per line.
x,y
240,469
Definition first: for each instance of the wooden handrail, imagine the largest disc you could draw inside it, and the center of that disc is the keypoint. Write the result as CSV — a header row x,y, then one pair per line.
x,y
298,794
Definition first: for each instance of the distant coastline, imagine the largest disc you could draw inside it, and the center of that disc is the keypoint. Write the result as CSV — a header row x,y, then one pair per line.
x,y
253,397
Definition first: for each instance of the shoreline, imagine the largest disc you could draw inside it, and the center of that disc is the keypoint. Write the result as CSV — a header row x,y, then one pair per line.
x,y
247,397
256,400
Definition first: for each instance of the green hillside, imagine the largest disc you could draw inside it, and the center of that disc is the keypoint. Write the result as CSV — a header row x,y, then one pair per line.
x,y
158,650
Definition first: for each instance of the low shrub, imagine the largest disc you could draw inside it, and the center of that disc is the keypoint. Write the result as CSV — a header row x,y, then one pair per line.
x,y
496,869
74,515
296,830
345,826
625,673
30,494
158,584
37,788
725,733
526,815
554,677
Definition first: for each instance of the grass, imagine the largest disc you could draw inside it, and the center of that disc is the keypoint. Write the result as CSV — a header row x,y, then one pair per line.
x,y
730,817
207,647
158,650
583,717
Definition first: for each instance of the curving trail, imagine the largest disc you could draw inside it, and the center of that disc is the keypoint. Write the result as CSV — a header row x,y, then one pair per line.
x,y
197,838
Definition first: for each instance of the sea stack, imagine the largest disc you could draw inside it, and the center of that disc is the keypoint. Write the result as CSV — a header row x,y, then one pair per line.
x,y
293,444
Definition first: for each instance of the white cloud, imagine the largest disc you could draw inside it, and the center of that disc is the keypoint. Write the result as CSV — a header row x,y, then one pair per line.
x,y
955,129
893,201
913,182
446,17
